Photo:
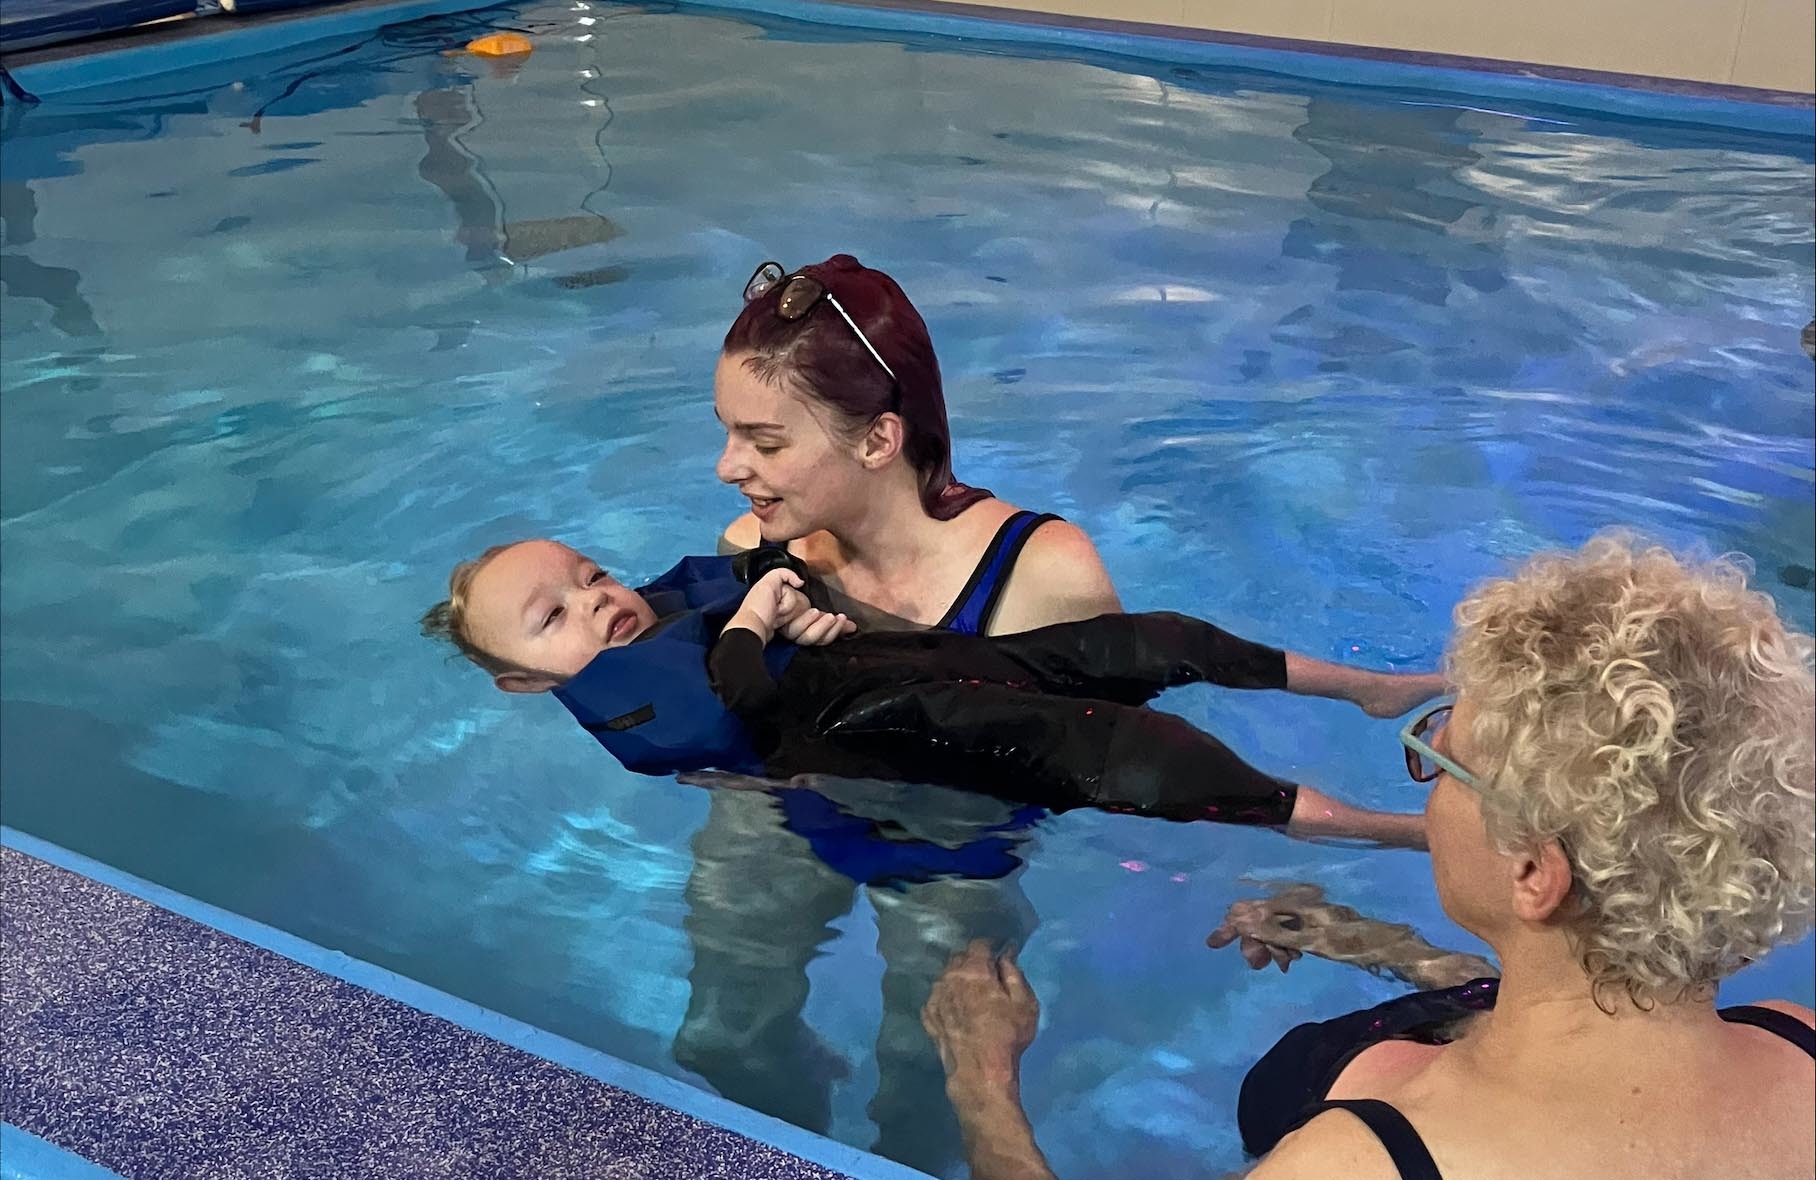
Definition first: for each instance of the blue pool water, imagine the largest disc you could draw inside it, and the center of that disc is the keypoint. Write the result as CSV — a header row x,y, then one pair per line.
x,y
1305,358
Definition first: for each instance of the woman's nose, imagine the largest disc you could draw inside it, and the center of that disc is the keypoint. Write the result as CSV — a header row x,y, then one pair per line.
x,y
731,468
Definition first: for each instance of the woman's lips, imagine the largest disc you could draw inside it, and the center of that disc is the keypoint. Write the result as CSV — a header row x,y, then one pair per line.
x,y
763,507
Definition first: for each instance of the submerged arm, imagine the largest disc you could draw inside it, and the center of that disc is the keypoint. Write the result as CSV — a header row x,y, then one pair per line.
x,y
982,1016
1296,920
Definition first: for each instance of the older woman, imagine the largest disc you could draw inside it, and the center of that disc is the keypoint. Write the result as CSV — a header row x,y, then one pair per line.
x,y
1622,808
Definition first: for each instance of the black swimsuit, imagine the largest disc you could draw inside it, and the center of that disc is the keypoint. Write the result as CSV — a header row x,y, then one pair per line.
x,y
1286,1088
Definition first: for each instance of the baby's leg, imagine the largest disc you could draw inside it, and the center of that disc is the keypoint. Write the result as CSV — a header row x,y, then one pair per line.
x,y
1379,694
1066,752
1132,658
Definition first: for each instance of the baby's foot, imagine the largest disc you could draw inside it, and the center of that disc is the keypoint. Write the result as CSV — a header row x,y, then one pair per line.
x,y
1396,695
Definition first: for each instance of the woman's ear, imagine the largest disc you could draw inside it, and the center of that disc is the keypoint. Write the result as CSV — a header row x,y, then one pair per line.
x,y
1541,882
882,441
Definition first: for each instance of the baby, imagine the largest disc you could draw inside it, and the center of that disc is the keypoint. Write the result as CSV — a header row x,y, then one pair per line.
x,y
727,663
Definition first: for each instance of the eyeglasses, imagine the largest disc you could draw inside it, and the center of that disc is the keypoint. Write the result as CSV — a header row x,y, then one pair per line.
x,y
1423,762
801,295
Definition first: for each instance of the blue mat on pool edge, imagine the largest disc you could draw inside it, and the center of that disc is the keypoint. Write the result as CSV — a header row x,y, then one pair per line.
x,y
26,24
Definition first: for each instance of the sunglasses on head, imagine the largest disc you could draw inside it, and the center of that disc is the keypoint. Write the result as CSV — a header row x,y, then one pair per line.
x,y
801,293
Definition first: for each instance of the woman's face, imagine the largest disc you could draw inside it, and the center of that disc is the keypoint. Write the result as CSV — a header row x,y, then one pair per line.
x,y
783,455
1471,875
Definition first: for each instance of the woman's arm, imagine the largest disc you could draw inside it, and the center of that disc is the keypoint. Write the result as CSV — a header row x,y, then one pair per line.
x,y
1298,920
982,1016
1059,578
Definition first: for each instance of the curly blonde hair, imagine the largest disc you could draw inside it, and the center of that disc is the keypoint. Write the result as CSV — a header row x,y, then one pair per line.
x,y
447,619
1654,716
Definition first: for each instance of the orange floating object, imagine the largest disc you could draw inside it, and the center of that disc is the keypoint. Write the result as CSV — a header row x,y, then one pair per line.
x,y
500,45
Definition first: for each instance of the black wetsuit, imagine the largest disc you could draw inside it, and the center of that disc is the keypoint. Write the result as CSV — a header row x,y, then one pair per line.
x,y
1286,1088
1051,716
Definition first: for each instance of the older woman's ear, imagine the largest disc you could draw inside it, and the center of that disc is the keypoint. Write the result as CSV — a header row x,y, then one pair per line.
x,y
1541,882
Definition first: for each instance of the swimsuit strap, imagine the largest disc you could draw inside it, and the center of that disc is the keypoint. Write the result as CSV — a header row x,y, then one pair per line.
x,y
1402,1142
1413,1159
976,603
1779,1024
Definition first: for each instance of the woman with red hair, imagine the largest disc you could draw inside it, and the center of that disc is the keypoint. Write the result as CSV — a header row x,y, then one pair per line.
x,y
836,432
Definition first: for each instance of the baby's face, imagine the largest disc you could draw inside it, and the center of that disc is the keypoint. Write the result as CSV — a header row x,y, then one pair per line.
x,y
541,605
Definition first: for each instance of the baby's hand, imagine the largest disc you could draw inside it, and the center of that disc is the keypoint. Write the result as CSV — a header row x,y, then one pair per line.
x,y
814,627
775,599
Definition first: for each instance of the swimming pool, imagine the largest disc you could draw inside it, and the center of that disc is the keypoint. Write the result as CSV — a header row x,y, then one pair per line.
x,y
284,339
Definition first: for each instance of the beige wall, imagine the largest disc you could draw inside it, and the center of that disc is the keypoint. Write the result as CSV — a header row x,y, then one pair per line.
x,y
1767,43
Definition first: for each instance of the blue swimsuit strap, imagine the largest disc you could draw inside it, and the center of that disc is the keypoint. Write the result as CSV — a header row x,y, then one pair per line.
x,y
970,613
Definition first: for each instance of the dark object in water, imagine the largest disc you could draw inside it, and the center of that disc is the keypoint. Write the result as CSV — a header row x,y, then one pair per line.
x,y
1802,577
591,278
524,240
1809,339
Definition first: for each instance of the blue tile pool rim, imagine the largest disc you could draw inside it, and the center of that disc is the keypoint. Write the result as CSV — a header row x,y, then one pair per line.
x,y
24,1156
188,44
54,1163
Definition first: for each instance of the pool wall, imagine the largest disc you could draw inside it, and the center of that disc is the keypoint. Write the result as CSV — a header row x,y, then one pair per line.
x,y
1769,44
72,923
148,1034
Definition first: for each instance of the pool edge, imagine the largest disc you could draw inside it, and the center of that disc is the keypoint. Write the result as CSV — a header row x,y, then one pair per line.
x,y
1342,63
77,65
600,1066
108,59
25,1156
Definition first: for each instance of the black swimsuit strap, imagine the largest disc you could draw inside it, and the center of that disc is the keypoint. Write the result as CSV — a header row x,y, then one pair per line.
x,y
1402,1142
1779,1024
1413,1159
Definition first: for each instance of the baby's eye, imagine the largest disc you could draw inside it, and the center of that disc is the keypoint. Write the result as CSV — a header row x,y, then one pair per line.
x,y
595,576
553,615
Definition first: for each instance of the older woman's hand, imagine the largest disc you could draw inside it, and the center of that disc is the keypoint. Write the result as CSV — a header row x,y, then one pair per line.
x,y
1267,929
982,1015
1296,920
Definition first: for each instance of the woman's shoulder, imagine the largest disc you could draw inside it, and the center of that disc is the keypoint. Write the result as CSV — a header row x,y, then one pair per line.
x,y
1789,1009
1377,1070
1334,1143
746,532
816,549
1057,578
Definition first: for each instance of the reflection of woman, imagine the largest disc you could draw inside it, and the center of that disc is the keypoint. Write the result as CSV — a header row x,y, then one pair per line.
x,y
1623,807
836,432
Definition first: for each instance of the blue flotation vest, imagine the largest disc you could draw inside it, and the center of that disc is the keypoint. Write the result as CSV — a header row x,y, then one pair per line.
x,y
652,706
651,703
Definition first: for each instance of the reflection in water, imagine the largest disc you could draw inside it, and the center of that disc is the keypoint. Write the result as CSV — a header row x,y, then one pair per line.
x,y
771,874
496,247
25,278
1400,220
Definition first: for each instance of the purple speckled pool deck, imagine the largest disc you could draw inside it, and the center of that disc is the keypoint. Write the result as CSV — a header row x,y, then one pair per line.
x,y
159,1047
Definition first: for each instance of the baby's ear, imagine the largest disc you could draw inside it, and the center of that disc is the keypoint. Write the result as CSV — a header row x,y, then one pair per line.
x,y
524,682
